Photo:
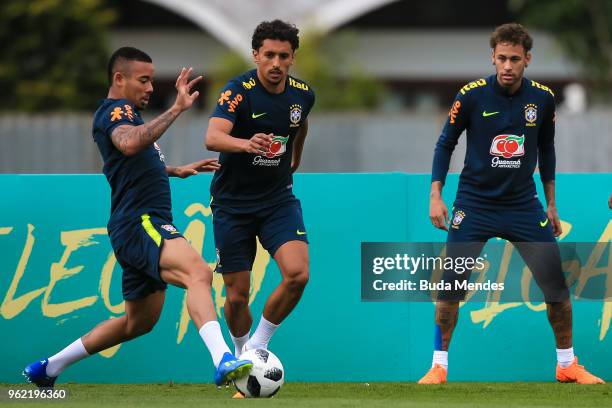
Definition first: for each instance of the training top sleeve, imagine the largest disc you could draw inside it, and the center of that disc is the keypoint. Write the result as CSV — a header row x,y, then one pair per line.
x,y
311,100
456,123
230,101
121,112
546,144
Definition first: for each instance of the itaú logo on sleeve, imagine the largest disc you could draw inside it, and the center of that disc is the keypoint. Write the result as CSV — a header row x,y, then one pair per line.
x,y
505,147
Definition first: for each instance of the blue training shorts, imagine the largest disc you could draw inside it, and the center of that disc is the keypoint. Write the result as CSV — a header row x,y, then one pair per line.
x,y
137,247
527,229
236,233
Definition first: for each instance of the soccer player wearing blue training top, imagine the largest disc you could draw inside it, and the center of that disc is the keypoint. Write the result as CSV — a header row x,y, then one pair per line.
x,y
150,250
259,126
510,127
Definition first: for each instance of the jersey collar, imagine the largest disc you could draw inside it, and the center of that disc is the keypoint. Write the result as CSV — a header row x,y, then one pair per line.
x,y
502,91
264,88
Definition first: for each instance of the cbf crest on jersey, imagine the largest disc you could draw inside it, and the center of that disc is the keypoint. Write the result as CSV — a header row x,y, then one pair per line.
x,y
295,115
459,216
531,114
170,228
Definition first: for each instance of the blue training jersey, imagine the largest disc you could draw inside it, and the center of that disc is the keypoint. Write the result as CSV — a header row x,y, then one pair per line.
x,y
139,183
249,181
506,136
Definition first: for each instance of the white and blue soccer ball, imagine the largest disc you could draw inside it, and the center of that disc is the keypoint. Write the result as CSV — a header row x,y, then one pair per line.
x,y
266,377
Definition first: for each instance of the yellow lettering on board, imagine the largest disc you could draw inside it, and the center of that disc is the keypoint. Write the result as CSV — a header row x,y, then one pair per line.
x,y
12,306
606,313
72,240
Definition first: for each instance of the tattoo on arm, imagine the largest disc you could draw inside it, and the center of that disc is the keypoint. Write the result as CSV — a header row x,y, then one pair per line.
x,y
132,139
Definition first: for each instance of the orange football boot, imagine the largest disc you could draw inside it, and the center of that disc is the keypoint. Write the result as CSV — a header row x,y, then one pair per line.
x,y
435,375
238,395
576,373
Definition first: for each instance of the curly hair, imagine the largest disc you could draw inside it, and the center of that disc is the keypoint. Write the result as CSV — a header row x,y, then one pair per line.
x,y
275,30
511,33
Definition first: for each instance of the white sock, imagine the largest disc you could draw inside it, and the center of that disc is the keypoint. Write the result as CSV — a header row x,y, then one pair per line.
x,y
239,342
262,335
211,334
441,358
71,354
565,357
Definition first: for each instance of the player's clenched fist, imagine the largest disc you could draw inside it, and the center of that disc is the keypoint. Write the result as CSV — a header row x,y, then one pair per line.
x,y
259,143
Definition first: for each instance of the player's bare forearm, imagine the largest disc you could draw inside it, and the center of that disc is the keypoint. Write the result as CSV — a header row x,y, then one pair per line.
x,y
219,141
438,213
191,169
446,319
549,193
132,139
218,138
551,209
298,146
182,172
436,190
171,171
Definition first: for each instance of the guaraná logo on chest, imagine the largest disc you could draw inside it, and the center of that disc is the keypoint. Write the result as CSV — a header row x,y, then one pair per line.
x,y
271,158
505,147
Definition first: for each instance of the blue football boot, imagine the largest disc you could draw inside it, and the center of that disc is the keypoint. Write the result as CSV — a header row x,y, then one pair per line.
x,y
230,368
36,373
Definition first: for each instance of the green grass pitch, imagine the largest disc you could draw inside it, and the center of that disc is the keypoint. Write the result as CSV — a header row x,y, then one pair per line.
x,y
294,395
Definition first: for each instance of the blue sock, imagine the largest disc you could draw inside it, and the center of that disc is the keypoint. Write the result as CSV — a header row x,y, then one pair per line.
x,y
437,338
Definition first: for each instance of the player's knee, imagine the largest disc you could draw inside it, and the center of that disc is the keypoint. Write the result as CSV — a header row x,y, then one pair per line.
x,y
297,278
446,312
197,275
237,299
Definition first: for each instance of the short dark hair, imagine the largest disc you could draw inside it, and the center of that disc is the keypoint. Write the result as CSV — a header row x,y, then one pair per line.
x,y
512,33
124,54
275,30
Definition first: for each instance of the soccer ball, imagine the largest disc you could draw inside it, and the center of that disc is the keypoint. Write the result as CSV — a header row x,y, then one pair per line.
x,y
266,376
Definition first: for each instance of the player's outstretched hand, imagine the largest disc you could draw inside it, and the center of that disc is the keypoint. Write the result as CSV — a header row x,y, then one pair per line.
x,y
184,99
259,143
438,213
555,222
192,169
205,165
